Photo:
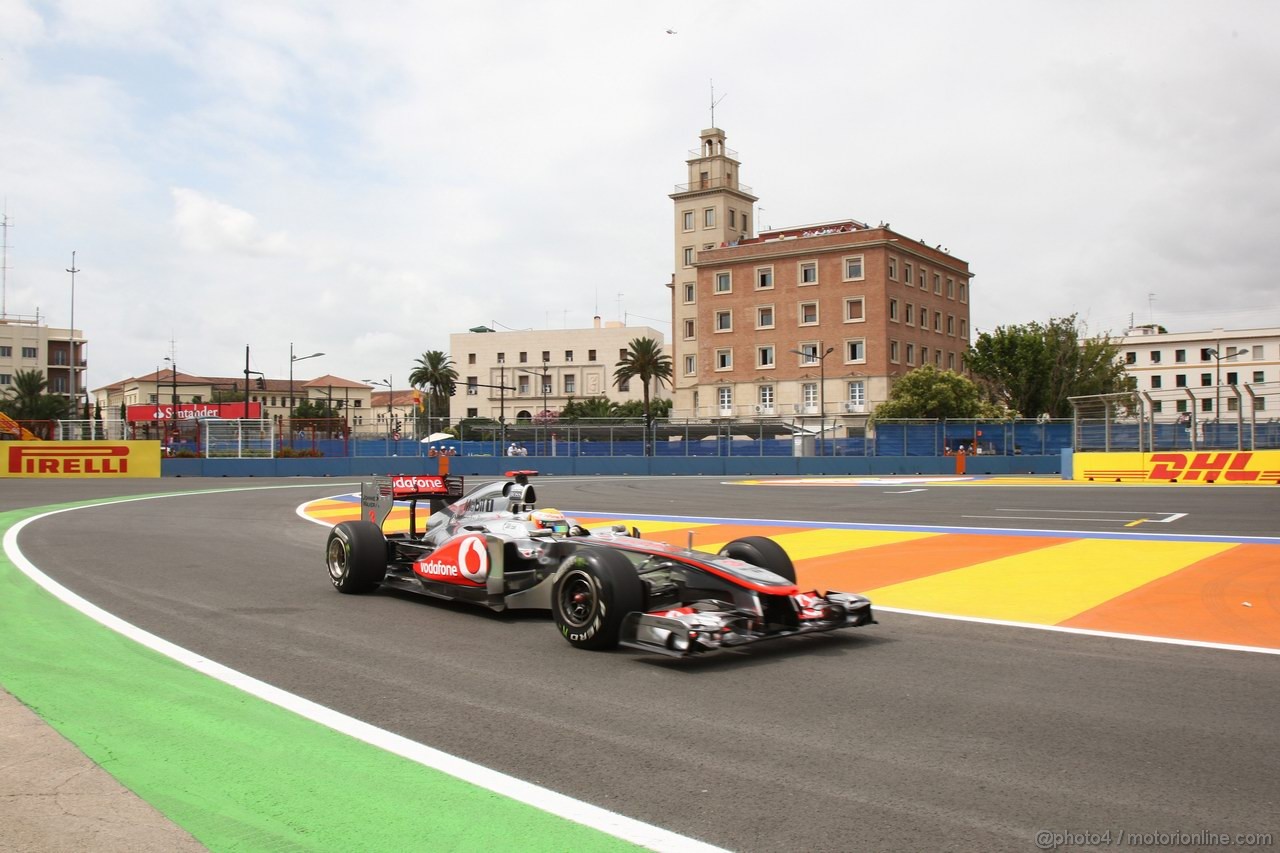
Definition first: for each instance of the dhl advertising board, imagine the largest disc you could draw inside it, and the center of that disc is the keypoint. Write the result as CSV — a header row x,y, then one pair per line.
x,y
1205,467
85,459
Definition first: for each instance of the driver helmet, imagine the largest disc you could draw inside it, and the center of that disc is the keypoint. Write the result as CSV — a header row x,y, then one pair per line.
x,y
549,519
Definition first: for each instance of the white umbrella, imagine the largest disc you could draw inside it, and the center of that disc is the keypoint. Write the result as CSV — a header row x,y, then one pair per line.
x,y
436,436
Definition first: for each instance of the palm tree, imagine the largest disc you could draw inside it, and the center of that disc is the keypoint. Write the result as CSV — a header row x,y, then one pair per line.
x,y
26,399
434,373
644,360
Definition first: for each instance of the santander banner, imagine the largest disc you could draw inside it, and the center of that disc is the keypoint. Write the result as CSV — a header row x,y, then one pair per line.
x,y
191,411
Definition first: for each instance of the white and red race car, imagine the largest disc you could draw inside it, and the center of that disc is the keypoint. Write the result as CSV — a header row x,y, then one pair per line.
x,y
494,548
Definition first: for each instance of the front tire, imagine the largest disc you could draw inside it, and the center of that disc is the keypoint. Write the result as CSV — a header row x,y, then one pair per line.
x,y
356,554
762,552
595,590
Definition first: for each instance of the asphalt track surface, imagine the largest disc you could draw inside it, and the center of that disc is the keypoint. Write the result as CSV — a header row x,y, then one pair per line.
x,y
917,733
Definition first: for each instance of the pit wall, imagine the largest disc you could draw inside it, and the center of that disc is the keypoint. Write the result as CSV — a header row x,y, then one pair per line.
x,y
495,466
1204,467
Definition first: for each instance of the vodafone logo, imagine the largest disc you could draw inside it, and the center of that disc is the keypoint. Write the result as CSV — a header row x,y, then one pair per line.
x,y
473,559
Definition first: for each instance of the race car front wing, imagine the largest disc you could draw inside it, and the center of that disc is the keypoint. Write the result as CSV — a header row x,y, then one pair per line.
x,y
713,625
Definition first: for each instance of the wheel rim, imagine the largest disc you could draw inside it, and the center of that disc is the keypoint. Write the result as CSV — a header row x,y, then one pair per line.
x,y
577,599
337,559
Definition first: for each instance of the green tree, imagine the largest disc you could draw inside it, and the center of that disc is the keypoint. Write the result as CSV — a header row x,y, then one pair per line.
x,y
26,400
434,374
928,392
644,360
1035,368
595,408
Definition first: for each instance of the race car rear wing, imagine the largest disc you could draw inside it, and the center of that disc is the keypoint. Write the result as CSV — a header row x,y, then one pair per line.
x,y
379,495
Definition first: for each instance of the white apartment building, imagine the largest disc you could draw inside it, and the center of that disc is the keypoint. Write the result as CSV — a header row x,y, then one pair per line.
x,y
60,354
511,376
1218,373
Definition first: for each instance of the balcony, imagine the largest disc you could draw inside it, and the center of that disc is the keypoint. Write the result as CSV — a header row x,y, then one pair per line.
x,y
713,184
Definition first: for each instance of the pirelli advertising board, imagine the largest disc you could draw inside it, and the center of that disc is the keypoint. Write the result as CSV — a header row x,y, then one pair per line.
x,y
1222,467
83,459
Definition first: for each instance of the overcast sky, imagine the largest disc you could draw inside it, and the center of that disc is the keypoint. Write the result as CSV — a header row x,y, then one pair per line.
x,y
366,178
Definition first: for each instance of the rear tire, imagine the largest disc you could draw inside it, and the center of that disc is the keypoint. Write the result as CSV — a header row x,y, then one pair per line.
x,y
762,552
595,590
356,554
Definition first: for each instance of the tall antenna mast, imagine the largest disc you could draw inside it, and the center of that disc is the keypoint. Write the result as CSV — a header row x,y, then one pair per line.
x,y
715,101
5,225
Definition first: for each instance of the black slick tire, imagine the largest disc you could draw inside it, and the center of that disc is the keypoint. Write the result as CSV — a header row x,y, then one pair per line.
x,y
762,552
356,554
595,590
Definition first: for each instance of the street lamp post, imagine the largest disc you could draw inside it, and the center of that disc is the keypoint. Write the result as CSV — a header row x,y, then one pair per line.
x,y
811,354
292,359
72,338
390,396
545,379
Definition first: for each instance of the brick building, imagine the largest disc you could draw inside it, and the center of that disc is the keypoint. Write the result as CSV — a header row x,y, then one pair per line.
x,y
804,321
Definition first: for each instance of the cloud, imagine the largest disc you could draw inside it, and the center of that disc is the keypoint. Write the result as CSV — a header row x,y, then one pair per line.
x,y
206,225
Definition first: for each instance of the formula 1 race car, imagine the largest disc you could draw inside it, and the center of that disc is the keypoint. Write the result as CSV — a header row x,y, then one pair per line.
x,y
494,548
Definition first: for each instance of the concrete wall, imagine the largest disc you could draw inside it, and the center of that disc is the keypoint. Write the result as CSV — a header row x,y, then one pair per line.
x,y
715,466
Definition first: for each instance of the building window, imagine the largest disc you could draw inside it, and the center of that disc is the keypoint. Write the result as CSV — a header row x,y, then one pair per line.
x,y
808,353
909,313
951,361
893,352
855,350
6,378
951,288
724,359
911,353
937,358
1259,404
893,268
724,321
524,358
689,330
1233,378
964,328
764,317
924,318
29,352
709,218
937,285
6,352
688,256
893,310
854,310
724,396
809,273
1259,376
1155,356
1180,356
522,385
546,356
964,292
1157,381
906,275
1180,381
724,282
809,396
937,322
951,325
1257,352
690,294
690,365
1180,405
568,355
1206,405
924,355
857,398
764,356
591,355
808,313
764,395
764,278
1131,358
1206,380
853,268
733,218
1204,354
1157,406
688,220
502,358
570,384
